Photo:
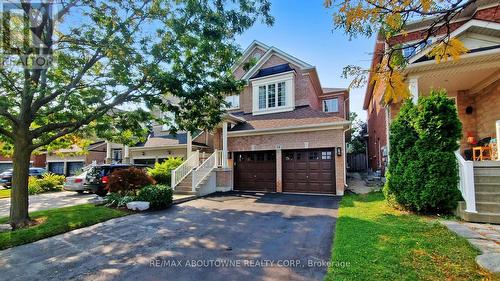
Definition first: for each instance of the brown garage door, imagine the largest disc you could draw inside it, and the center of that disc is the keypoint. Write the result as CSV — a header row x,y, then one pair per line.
x,y
255,171
309,171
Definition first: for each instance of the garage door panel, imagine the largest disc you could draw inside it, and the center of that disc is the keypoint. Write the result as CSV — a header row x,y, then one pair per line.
x,y
255,171
309,171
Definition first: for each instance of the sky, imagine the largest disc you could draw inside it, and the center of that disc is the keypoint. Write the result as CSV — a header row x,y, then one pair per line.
x,y
304,29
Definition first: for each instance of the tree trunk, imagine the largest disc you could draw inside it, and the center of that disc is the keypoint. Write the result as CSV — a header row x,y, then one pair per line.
x,y
19,216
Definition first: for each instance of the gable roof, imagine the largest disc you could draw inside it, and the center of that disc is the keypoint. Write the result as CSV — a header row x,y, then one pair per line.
x,y
255,44
480,24
277,52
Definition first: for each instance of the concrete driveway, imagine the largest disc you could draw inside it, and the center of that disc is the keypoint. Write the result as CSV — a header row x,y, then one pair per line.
x,y
49,201
231,237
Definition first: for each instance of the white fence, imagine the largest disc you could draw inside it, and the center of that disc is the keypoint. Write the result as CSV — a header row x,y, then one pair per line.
x,y
466,183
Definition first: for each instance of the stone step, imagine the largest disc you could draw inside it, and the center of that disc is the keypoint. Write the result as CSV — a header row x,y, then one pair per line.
x,y
487,179
488,197
487,187
483,217
488,207
482,171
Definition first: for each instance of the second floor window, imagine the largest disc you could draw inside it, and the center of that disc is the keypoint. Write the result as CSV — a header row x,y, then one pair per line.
x,y
234,101
331,105
272,95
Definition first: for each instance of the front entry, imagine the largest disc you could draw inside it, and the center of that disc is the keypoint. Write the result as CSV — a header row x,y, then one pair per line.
x,y
255,171
309,171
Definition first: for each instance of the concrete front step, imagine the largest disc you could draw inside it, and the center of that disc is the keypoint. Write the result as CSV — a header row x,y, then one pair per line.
x,y
180,192
487,179
487,187
480,216
488,197
486,171
488,207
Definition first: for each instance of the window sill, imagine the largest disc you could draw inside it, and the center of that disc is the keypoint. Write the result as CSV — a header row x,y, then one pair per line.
x,y
272,110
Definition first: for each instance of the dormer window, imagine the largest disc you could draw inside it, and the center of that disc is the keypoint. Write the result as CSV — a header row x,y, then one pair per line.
x,y
273,94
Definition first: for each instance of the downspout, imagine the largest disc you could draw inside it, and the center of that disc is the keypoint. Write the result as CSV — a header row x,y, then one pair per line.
x,y
345,159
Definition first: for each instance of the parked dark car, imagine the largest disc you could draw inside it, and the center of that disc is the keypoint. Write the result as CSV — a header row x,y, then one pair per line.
x,y
6,176
97,176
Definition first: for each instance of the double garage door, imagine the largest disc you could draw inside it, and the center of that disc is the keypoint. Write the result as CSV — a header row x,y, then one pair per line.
x,y
303,171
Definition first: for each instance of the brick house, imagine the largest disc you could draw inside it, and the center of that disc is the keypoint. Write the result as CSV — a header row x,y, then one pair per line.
x,y
473,82
35,161
283,133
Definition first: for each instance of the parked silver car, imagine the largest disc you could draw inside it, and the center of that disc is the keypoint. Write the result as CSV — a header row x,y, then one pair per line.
x,y
76,183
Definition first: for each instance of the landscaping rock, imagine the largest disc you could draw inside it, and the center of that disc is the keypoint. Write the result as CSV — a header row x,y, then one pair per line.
x,y
138,205
98,200
5,227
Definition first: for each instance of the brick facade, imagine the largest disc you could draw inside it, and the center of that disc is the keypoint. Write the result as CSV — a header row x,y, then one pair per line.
x,y
299,140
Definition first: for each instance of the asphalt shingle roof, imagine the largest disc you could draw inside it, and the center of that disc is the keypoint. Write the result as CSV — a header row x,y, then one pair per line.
x,y
301,116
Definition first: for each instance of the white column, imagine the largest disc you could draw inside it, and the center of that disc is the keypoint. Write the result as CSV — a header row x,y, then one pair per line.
x,y
189,145
126,154
108,152
413,86
224,145
498,140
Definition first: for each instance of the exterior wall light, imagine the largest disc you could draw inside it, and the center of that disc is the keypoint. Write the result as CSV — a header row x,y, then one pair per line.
x,y
339,151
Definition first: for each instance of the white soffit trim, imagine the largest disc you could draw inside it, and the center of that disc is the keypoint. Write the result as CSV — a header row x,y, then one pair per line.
x,y
294,129
458,31
248,51
303,65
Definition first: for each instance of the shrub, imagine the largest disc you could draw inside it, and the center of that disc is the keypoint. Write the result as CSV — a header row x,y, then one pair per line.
x,y
158,196
423,173
162,172
127,181
51,182
117,200
34,186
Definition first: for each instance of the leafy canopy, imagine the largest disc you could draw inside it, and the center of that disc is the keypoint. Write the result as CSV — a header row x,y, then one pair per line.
x,y
389,19
114,59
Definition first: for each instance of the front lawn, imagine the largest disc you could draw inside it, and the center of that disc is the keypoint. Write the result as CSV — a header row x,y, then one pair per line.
x,y
4,193
56,221
376,242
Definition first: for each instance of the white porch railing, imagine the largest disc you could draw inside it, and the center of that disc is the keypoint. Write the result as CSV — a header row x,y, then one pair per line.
x,y
219,158
466,183
204,169
185,168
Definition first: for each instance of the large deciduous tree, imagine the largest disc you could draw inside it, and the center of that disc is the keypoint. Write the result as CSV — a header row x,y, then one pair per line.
x,y
388,19
103,54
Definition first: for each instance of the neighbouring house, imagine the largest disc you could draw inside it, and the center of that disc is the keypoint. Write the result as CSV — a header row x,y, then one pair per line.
x,y
473,82
283,133
37,160
70,161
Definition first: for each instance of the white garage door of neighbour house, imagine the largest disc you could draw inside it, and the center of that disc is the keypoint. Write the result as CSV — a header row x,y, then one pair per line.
x,y
5,166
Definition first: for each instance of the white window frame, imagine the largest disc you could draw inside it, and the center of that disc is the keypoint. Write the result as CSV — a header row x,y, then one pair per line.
x,y
229,99
324,108
288,79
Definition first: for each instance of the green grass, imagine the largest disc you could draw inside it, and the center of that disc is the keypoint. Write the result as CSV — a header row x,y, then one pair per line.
x,y
4,193
376,242
57,221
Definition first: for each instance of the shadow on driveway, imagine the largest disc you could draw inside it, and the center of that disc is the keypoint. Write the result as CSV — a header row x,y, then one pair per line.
x,y
246,236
